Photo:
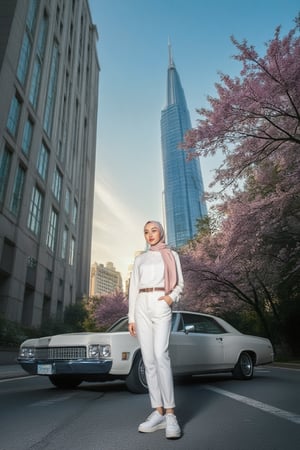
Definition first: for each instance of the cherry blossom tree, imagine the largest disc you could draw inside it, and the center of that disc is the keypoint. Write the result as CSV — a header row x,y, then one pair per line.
x,y
226,271
253,259
109,309
255,115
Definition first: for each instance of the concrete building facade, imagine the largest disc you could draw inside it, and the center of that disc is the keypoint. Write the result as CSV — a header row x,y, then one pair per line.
x,y
49,76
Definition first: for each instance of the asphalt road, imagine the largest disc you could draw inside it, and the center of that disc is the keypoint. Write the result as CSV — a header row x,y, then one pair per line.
x,y
216,413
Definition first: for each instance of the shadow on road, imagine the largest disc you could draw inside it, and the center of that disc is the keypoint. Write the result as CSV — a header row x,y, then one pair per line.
x,y
190,402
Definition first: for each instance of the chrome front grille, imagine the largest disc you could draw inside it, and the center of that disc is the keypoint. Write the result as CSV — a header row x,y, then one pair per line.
x,y
61,353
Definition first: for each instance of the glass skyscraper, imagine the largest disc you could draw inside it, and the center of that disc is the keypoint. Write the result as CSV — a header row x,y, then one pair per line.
x,y
183,184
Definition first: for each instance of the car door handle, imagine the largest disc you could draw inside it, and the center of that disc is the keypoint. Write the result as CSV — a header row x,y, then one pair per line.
x,y
219,339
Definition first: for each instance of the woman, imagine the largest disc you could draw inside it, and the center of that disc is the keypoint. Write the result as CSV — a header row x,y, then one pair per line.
x,y
156,283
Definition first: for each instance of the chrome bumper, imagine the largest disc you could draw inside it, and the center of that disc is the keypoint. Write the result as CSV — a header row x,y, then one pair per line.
x,y
69,367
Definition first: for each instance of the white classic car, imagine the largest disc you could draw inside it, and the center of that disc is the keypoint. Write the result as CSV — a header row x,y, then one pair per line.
x,y
199,344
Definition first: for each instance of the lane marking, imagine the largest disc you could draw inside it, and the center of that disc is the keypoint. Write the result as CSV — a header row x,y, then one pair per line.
x,y
295,418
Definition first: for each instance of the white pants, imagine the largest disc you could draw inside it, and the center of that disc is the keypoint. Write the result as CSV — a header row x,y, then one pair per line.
x,y
153,324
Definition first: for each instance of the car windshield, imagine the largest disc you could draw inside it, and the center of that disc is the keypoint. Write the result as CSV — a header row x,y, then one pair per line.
x,y
120,325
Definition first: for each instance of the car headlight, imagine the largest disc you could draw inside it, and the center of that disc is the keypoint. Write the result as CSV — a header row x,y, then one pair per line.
x,y
27,352
99,351
105,351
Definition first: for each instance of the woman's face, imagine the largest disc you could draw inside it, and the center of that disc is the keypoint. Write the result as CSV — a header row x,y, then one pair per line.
x,y
151,233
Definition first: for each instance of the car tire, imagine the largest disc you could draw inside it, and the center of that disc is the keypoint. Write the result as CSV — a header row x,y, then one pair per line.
x,y
65,381
136,380
244,368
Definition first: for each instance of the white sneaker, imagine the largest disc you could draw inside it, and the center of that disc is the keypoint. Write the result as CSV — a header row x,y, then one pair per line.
x,y
154,422
173,430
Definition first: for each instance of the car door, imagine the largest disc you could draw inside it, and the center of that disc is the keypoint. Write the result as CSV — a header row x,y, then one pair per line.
x,y
197,345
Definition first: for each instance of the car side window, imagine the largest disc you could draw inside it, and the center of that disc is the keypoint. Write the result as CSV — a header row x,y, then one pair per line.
x,y
202,324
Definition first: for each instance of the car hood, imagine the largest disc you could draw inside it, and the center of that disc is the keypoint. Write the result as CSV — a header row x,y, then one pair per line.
x,y
71,339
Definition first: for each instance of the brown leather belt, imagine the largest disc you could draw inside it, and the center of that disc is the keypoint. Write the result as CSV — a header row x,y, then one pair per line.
x,y
152,289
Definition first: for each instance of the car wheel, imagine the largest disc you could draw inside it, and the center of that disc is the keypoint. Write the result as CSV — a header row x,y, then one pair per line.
x,y
65,381
243,369
136,380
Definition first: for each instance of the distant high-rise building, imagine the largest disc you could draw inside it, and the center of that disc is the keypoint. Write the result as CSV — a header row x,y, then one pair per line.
x,y
105,279
130,267
183,185
49,74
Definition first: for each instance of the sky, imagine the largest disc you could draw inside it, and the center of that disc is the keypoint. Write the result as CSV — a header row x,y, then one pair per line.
x,y
133,57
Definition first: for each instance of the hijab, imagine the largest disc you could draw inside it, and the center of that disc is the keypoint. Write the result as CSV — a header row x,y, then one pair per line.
x,y
170,274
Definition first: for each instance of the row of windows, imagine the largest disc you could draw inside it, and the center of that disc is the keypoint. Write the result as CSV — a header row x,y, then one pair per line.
x,y
49,104
25,53
36,206
25,57
22,71
23,68
15,107
42,168
43,156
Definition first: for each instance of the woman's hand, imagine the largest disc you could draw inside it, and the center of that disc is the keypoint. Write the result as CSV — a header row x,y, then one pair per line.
x,y
167,299
132,329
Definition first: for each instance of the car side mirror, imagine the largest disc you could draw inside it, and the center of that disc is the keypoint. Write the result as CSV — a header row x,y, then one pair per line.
x,y
189,329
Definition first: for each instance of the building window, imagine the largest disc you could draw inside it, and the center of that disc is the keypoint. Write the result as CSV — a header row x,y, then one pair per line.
x,y
42,162
67,201
37,68
24,59
64,243
14,115
74,216
51,233
16,197
35,82
46,309
42,38
31,15
72,252
59,310
27,136
5,161
51,91
56,184
35,211
48,275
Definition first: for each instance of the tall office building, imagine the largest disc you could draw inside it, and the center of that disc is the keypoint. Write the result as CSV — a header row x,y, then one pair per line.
x,y
49,74
105,279
183,185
